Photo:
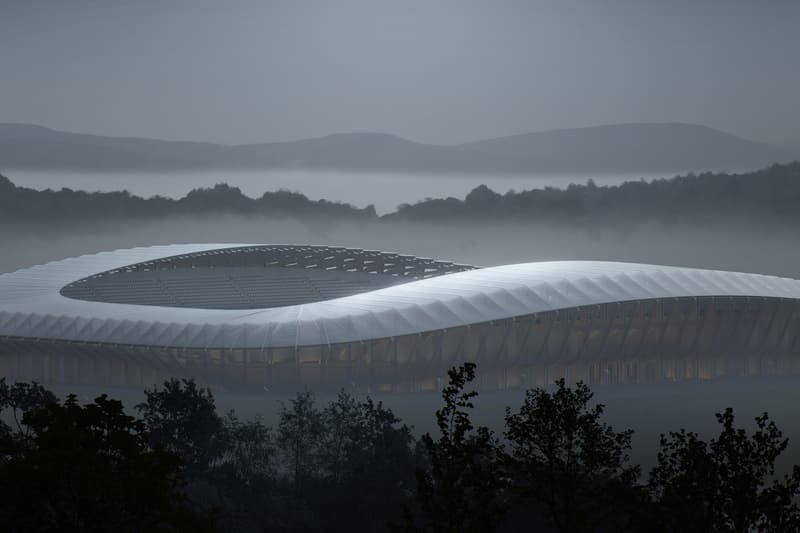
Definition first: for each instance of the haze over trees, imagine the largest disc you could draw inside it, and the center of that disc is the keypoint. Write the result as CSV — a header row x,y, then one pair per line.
x,y
770,194
18,203
352,465
619,148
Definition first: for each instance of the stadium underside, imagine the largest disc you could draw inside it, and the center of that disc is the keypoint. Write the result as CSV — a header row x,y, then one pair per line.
x,y
674,339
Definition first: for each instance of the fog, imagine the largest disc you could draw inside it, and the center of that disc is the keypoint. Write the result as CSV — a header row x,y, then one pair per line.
x,y
649,409
444,72
739,246
383,190
455,86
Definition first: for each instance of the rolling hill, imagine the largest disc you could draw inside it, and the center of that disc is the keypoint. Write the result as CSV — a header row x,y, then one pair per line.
x,y
622,148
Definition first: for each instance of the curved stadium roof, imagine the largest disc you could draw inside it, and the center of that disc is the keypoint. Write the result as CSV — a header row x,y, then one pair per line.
x,y
405,295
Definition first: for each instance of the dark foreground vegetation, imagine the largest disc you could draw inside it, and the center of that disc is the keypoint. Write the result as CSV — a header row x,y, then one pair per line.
x,y
352,465
769,194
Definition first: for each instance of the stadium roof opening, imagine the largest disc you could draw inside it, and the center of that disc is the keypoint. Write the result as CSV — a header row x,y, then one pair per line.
x,y
255,277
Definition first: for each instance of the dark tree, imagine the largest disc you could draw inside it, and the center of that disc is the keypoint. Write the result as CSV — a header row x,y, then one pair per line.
x,y
90,468
249,451
367,462
299,432
19,398
344,435
181,417
568,462
461,490
245,477
726,484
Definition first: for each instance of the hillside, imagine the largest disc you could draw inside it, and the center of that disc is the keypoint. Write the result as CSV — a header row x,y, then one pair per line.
x,y
624,148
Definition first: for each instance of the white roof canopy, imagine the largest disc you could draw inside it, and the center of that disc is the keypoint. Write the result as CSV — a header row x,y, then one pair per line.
x,y
32,306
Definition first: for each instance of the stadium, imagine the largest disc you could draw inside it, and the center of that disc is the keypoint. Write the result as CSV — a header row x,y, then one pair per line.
x,y
279,317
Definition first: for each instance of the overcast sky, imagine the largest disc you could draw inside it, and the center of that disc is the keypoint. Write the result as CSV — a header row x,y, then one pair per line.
x,y
445,72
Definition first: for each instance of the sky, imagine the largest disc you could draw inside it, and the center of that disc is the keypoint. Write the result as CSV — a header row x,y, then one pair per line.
x,y
245,71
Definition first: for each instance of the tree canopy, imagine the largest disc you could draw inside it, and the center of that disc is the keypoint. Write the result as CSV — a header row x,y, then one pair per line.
x,y
767,194
90,468
558,467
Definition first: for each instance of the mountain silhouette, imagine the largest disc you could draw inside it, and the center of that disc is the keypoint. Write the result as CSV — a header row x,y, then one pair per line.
x,y
621,148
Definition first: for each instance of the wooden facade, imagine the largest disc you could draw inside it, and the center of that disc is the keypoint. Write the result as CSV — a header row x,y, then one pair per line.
x,y
671,339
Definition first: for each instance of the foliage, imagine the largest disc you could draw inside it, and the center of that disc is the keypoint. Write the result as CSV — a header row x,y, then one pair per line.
x,y
360,437
20,203
90,468
182,418
368,463
68,467
245,476
568,461
249,451
461,491
725,484
299,432
351,454
22,397
769,194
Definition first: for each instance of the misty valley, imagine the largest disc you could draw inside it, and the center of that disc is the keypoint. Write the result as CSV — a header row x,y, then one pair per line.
x,y
706,221
440,266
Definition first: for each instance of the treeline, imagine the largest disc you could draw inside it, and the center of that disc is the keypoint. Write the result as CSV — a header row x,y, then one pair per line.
x,y
352,465
772,193
19,203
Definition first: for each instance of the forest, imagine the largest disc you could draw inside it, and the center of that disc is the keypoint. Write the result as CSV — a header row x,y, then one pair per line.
x,y
173,463
19,203
770,194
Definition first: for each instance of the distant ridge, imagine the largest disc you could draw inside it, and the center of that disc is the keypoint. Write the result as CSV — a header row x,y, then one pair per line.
x,y
631,148
621,148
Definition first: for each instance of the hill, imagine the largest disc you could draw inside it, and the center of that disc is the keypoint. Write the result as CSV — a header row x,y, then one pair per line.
x,y
623,148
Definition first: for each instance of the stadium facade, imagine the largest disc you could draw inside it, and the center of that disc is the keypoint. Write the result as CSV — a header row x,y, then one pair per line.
x,y
280,317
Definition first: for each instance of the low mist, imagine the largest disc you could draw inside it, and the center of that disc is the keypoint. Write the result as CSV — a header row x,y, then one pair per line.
x,y
745,246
